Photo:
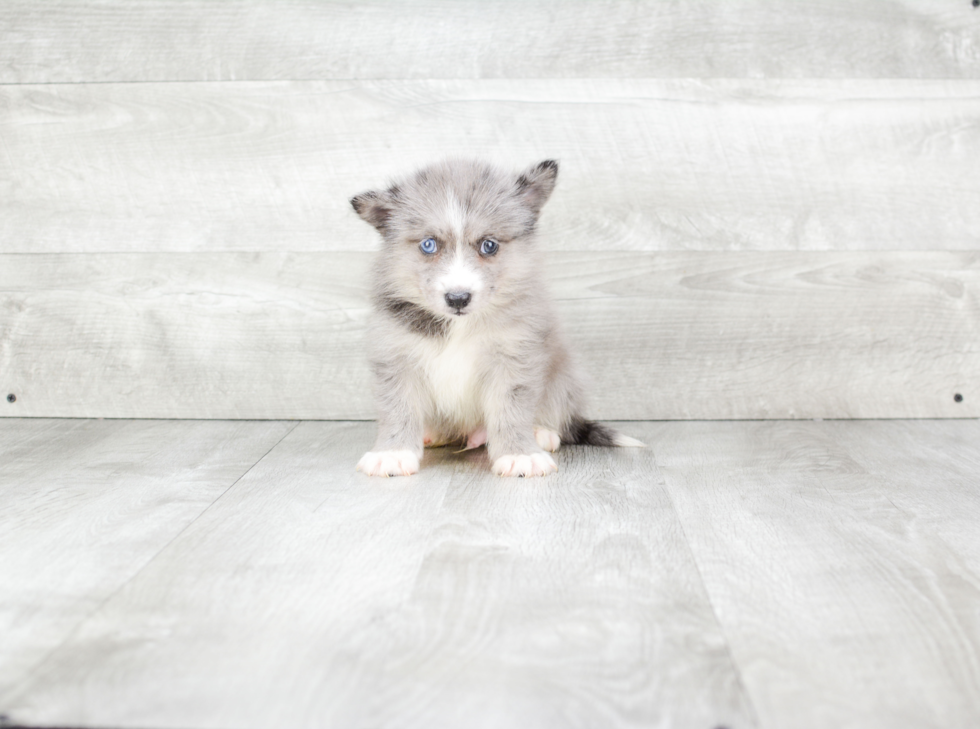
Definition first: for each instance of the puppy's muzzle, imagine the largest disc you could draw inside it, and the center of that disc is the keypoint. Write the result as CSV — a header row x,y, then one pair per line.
x,y
458,300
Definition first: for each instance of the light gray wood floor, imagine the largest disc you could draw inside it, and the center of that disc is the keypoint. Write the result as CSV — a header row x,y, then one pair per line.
x,y
738,574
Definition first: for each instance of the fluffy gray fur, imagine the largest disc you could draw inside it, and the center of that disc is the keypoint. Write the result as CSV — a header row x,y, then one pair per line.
x,y
497,369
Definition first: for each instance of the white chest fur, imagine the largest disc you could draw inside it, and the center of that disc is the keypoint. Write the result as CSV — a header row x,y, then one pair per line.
x,y
454,382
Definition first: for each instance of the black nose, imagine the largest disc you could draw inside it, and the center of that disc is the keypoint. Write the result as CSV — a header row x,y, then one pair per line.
x,y
458,299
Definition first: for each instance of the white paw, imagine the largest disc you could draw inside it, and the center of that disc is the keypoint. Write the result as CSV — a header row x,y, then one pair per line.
x,y
389,463
548,440
536,464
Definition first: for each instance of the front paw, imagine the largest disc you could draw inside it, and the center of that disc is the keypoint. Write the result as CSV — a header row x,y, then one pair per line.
x,y
536,464
388,463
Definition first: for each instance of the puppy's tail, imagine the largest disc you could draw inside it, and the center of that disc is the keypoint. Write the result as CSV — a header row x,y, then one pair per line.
x,y
580,431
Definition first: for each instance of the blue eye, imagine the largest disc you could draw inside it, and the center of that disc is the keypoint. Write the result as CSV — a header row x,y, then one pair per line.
x,y
489,247
428,246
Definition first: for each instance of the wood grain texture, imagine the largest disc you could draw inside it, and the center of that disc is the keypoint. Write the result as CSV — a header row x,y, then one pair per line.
x,y
646,164
312,596
86,505
574,597
842,561
665,336
216,40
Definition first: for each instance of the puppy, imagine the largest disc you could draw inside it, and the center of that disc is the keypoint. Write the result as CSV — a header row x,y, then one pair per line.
x,y
464,345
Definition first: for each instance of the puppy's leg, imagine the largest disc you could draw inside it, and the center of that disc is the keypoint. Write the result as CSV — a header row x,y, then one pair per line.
x,y
400,425
477,438
549,440
510,432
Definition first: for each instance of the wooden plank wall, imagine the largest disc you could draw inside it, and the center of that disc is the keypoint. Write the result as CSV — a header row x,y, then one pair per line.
x,y
764,210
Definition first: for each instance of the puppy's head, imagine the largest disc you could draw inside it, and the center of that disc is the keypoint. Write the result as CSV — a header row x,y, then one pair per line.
x,y
457,234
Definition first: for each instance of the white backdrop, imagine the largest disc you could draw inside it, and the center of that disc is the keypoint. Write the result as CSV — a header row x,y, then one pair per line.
x,y
765,209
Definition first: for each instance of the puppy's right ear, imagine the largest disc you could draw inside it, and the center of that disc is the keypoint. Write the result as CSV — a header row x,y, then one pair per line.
x,y
374,207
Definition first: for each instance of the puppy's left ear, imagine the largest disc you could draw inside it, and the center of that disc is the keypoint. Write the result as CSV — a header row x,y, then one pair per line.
x,y
374,207
535,184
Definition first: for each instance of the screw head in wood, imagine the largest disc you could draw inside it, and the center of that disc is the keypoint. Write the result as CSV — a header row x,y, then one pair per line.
x,y
957,397
11,397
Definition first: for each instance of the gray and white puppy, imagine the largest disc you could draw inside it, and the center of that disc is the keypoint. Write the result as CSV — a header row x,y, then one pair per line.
x,y
464,344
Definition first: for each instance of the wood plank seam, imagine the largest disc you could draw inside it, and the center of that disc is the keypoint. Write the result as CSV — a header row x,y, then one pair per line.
x,y
749,702
39,665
